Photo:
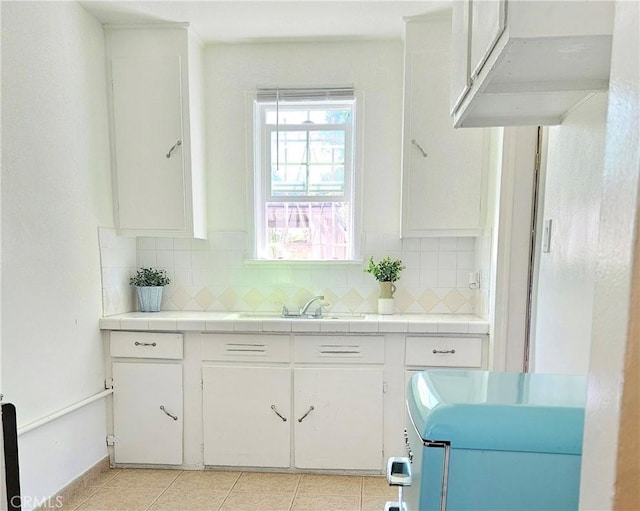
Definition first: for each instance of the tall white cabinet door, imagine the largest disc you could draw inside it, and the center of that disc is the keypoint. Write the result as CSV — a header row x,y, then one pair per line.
x,y
147,413
147,114
344,430
442,189
247,416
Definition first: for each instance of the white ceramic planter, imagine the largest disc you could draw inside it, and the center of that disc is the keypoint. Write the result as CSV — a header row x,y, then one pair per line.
x,y
386,306
150,298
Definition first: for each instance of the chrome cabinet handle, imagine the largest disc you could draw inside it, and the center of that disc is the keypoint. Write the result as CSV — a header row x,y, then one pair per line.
x,y
145,344
311,408
177,144
273,407
174,417
444,351
424,154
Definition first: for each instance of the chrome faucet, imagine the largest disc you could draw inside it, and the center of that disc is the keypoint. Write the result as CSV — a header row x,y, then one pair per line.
x,y
305,307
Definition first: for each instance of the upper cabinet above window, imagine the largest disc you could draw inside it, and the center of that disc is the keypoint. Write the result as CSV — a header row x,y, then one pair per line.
x,y
157,134
527,62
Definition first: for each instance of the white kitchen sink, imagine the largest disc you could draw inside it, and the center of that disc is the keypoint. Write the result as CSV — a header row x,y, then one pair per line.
x,y
278,315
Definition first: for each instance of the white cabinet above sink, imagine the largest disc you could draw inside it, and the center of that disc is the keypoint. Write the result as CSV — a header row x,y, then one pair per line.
x,y
527,62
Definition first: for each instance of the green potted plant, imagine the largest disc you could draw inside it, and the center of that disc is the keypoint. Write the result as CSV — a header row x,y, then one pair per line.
x,y
149,283
386,271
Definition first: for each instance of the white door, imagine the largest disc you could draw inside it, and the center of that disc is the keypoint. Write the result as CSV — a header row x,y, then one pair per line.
x,y
338,418
147,413
247,416
147,112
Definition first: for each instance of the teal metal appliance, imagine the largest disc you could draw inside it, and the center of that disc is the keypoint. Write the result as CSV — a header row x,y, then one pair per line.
x,y
480,440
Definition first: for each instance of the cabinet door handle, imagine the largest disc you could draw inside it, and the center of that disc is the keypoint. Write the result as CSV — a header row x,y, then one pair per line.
x,y
174,417
444,352
311,408
273,407
137,343
424,153
177,144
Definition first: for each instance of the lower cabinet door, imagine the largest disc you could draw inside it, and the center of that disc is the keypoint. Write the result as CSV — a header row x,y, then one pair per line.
x,y
338,418
147,413
247,416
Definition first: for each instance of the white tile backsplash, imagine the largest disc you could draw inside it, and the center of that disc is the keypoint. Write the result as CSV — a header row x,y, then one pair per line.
x,y
117,265
214,275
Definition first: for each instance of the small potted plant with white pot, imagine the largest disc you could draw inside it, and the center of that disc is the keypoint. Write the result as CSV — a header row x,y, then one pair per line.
x,y
149,283
386,271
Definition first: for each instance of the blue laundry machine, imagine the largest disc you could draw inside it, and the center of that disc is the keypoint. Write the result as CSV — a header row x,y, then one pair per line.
x,y
490,441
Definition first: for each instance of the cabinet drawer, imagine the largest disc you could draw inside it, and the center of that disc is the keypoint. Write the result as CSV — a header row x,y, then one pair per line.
x,y
444,351
358,349
146,345
238,347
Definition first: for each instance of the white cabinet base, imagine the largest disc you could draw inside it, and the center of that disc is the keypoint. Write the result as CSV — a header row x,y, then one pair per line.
x,y
147,412
242,427
344,429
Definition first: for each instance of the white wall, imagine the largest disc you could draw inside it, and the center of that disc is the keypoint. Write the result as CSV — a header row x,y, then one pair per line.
x,y
55,193
374,68
620,214
566,275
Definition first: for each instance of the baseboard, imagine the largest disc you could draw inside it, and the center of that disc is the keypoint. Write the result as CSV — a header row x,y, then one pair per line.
x,y
78,484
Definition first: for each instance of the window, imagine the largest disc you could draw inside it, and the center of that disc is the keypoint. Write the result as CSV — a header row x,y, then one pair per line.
x,y
304,174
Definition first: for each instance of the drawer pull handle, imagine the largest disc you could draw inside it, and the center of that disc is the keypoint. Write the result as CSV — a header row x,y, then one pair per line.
x,y
273,407
145,344
443,352
339,352
311,408
177,144
174,417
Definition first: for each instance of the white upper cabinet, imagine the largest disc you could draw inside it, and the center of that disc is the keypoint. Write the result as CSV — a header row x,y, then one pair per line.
x,y
527,62
157,132
443,178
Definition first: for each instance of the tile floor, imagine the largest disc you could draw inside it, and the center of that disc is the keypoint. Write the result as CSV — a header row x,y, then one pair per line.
x,y
178,490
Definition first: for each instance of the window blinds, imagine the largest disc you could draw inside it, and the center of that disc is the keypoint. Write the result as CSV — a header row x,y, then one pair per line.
x,y
271,94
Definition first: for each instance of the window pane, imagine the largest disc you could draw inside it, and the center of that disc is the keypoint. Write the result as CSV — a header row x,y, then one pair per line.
x,y
307,230
307,162
319,115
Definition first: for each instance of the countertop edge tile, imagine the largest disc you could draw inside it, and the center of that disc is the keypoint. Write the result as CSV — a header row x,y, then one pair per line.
x,y
276,325
197,325
221,325
226,322
477,327
449,327
109,323
134,324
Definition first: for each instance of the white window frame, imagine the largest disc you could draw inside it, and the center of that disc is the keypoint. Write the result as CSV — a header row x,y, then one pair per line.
x,y
262,177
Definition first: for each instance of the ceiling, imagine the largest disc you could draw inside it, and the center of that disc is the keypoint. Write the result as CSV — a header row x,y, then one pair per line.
x,y
230,21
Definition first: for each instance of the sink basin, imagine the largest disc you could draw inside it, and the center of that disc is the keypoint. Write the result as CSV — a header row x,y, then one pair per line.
x,y
278,315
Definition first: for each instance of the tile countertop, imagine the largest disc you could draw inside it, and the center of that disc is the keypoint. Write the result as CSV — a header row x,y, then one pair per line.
x,y
181,321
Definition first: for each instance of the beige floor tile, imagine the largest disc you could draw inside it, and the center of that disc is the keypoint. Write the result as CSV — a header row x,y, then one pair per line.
x,y
103,477
376,502
72,501
378,486
263,482
205,480
330,485
189,500
121,499
326,503
142,478
257,502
